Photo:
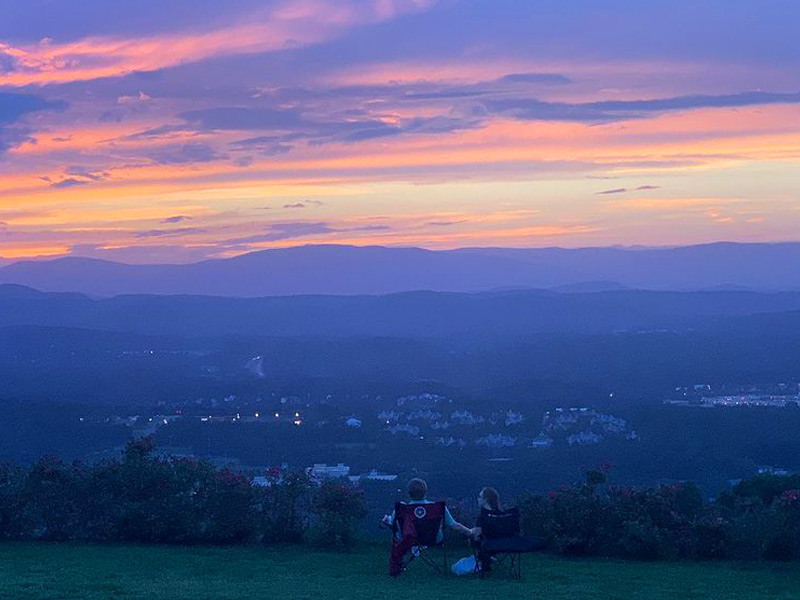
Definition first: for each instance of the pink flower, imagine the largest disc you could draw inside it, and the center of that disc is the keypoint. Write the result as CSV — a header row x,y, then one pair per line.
x,y
790,495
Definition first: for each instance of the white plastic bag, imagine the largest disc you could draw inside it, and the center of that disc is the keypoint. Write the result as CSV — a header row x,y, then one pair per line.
x,y
465,566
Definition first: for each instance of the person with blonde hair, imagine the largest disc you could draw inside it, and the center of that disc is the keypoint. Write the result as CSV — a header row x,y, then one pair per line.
x,y
418,495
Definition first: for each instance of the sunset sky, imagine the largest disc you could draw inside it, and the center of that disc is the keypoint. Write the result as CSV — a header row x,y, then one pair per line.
x,y
179,130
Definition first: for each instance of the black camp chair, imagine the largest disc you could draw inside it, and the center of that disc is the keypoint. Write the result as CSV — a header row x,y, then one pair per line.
x,y
421,527
501,539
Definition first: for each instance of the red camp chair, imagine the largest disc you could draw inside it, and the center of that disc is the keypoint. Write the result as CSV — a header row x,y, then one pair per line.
x,y
420,527
501,539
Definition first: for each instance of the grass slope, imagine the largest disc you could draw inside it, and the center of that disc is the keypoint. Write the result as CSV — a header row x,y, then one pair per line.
x,y
61,571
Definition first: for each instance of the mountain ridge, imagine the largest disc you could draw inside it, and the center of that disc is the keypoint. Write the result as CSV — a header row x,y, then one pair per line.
x,y
356,270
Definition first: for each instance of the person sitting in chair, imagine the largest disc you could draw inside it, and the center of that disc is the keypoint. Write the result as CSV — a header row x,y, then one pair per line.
x,y
498,532
488,500
418,494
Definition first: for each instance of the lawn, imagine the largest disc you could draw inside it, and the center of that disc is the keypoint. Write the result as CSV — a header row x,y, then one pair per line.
x,y
92,572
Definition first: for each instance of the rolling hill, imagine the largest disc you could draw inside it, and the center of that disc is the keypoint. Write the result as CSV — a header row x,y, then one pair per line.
x,y
350,270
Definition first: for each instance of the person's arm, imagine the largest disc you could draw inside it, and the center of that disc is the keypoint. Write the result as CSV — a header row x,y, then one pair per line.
x,y
471,532
453,524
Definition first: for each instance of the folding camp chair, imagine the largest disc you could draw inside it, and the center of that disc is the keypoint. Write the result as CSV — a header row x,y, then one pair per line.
x,y
501,539
417,528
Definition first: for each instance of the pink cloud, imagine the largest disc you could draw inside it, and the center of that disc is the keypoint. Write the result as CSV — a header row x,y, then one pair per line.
x,y
292,23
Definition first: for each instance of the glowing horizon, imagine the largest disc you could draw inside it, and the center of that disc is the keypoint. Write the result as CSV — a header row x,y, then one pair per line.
x,y
172,132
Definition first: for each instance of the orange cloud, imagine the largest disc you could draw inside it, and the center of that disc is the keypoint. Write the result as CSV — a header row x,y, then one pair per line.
x,y
292,23
519,236
699,140
21,252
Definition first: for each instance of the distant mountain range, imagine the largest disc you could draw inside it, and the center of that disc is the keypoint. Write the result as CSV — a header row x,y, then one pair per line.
x,y
350,270
66,347
512,314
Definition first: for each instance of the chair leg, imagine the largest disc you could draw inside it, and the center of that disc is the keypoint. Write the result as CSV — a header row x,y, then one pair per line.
x,y
433,563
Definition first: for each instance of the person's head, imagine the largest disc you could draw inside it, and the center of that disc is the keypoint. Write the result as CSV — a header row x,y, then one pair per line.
x,y
417,489
489,499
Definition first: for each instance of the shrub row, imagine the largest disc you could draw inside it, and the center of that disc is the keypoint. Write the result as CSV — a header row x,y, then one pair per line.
x,y
758,519
144,498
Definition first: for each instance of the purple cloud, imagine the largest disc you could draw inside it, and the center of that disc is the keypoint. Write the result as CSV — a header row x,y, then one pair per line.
x,y
232,118
85,172
15,106
546,78
285,231
626,190
68,182
158,233
531,109
194,152
445,223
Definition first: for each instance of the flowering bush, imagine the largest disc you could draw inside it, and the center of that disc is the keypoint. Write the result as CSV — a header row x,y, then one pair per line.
x,y
783,536
764,512
225,509
283,506
626,522
52,499
337,509
148,499
759,519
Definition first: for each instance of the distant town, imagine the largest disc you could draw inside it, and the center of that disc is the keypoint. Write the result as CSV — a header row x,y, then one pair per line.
x,y
425,418
778,395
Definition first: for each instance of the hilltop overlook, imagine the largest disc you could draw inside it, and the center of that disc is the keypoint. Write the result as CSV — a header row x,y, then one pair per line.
x,y
142,572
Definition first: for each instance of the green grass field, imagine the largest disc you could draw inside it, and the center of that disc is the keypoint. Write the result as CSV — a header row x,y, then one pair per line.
x,y
92,572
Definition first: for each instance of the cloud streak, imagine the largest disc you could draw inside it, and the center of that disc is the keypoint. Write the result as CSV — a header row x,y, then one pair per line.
x,y
623,190
289,24
531,109
14,107
162,233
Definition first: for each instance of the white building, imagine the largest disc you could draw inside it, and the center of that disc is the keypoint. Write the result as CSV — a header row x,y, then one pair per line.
x,y
389,415
464,417
423,415
542,441
324,471
496,440
513,418
583,438
373,475
409,429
